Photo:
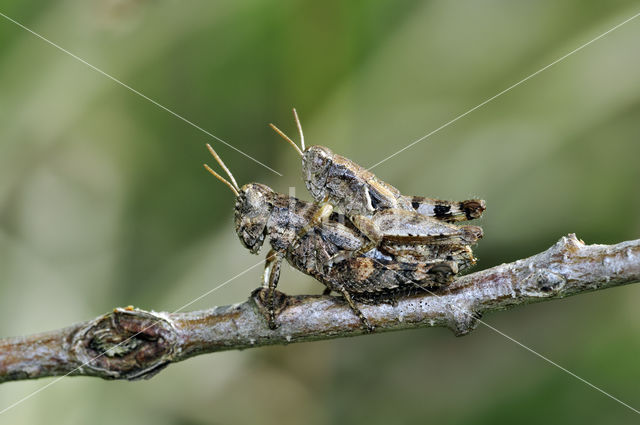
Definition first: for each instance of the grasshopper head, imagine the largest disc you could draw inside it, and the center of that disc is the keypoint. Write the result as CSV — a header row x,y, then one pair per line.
x,y
254,203
253,208
316,161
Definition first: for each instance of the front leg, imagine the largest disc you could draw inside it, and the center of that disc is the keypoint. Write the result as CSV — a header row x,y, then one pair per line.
x,y
270,279
269,263
321,215
373,238
370,229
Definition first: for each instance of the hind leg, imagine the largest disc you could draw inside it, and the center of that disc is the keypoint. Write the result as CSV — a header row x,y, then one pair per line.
x,y
444,271
345,294
448,211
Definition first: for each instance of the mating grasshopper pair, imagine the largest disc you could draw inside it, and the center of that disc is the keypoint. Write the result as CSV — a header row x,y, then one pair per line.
x,y
381,244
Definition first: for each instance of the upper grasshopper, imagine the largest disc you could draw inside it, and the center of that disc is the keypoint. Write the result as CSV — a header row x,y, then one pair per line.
x,y
415,251
337,181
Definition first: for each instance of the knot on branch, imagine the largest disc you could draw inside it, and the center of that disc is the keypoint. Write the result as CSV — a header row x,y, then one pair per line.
x,y
543,283
567,245
125,344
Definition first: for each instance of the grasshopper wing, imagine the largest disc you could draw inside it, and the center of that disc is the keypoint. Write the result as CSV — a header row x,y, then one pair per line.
x,y
402,226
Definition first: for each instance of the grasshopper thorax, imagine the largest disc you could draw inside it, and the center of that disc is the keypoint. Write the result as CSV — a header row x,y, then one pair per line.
x,y
254,204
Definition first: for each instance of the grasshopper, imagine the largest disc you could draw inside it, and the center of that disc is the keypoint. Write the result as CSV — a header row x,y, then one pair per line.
x,y
342,184
400,263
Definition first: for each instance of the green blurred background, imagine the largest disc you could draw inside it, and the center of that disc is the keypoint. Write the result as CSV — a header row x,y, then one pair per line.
x,y
104,202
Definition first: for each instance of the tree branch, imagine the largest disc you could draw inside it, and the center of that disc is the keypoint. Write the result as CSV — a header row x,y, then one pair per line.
x,y
131,343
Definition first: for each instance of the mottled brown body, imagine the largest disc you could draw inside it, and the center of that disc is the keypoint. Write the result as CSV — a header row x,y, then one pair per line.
x,y
391,250
402,262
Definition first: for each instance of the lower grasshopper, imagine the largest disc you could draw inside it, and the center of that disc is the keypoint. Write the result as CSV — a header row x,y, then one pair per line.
x,y
415,251
341,183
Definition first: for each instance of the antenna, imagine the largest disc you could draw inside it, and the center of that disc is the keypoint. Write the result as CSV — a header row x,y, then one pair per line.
x,y
222,179
224,167
285,137
295,114
234,187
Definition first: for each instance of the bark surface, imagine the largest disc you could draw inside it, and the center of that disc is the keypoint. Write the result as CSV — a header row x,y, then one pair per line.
x,y
130,343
